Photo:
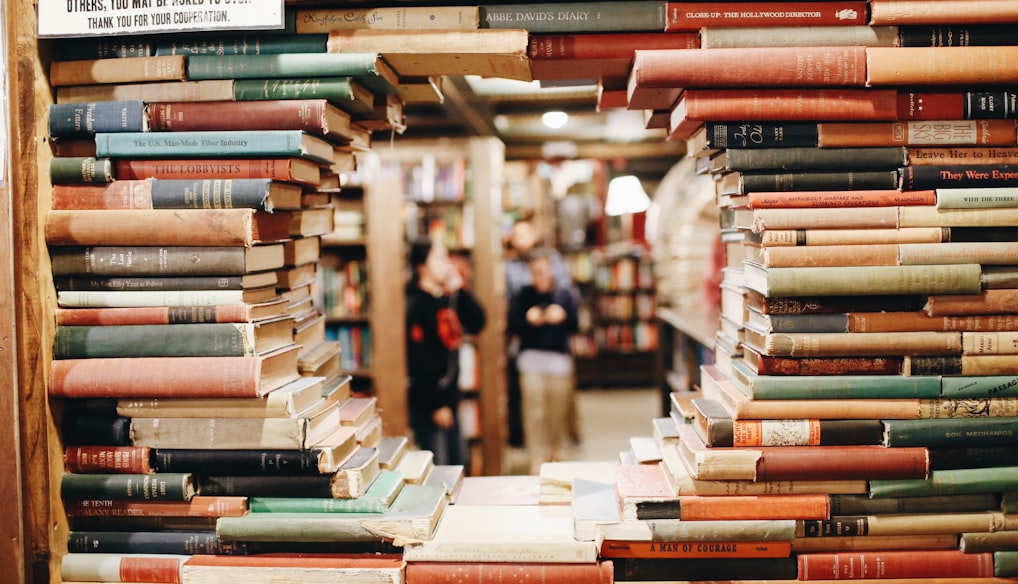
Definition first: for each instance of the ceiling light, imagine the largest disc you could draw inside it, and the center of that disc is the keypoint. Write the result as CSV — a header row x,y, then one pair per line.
x,y
626,195
554,119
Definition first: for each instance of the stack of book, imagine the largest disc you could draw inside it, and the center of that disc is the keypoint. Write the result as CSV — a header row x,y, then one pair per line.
x,y
204,410
861,403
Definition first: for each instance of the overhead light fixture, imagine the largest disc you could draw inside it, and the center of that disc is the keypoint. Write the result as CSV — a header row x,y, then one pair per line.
x,y
626,195
554,119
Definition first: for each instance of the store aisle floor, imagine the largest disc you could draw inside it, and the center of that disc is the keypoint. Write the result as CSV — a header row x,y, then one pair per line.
x,y
608,418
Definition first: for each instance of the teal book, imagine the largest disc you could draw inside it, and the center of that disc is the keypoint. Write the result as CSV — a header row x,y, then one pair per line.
x,y
376,499
128,487
368,68
214,144
413,516
951,432
172,340
1005,564
83,120
966,386
782,387
346,93
624,16
215,45
961,481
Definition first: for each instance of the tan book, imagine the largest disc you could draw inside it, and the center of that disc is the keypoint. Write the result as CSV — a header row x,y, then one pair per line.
x,y
771,238
415,466
906,524
100,71
798,36
424,89
928,216
209,90
556,478
888,343
484,52
914,66
284,402
358,410
414,18
370,433
355,474
867,280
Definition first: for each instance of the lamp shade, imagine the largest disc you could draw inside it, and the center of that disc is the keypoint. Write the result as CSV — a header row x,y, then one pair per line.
x,y
626,195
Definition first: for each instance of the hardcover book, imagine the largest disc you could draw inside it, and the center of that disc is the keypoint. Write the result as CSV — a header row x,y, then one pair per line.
x,y
214,144
316,116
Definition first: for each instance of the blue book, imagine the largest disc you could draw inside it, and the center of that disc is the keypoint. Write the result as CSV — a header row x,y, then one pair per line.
x,y
214,144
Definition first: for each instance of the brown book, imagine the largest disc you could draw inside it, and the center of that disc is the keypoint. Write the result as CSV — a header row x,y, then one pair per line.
x,y
836,104
776,365
413,18
691,16
301,250
100,71
567,56
197,506
311,222
173,376
252,193
1002,301
153,260
316,116
600,572
909,12
171,314
108,459
895,564
978,66
208,90
879,542
897,343
485,52
295,170
422,89
213,227
831,304
839,199
918,133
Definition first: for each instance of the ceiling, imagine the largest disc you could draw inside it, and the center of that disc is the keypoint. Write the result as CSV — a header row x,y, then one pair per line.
x,y
511,111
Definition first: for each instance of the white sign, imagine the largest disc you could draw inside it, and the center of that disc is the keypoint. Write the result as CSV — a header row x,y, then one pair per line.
x,y
76,18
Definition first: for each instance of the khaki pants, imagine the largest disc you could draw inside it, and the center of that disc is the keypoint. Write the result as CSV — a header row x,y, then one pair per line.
x,y
545,401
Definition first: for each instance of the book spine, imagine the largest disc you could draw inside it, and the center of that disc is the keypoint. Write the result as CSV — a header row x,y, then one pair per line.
x,y
520,572
269,44
108,459
198,506
750,433
982,252
106,71
152,542
803,36
178,300
878,280
146,283
80,170
958,176
950,433
695,549
307,115
918,133
281,169
103,48
132,227
953,36
157,340
850,462
831,255
920,12
240,462
842,505
338,90
150,315
749,67
905,66
949,482
110,260
989,302
829,365
155,377
692,16
820,181
590,17
862,344
286,65
325,20
96,431
823,199
920,156
812,158
977,198
572,46
894,564
221,433
146,487
763,135
989,342
82,120
979,386
317,505
211,143
822,236
118,194
216,90
317,486
99,567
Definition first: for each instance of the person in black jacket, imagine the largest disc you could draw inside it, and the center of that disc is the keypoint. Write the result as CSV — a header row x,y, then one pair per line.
x,y
439,312
544,316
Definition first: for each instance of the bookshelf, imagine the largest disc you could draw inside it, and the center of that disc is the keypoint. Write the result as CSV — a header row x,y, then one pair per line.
x,y
452,189
356,278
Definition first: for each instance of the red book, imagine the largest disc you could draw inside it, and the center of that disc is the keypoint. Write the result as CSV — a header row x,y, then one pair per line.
x,y
690,16
197,506
697,106
826,199
894,564
565,56
694,549
295,170
841,463
601,572
316,116
108,459
170,314
956,105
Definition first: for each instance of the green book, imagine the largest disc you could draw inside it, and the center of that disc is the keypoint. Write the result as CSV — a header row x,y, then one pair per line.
x,y
965,386
412,516
1009,502
267,44
950,432
128,487
639,15
368,68
346,93
376,499
214,144
950,482
779,387
80,170
1005,564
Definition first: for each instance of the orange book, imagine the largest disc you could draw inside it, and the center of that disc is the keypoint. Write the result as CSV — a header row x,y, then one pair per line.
x,y
173,376
567,56
165,227
907,12
916,133
978,66
694,549
691,16
253,193
894,564
600,572
823,199
295,170
1002,301
934,155
197,506
108,459
697,106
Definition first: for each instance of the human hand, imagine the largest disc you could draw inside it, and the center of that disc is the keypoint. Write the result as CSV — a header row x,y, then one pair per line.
x,y
535,316
443,417
554,314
